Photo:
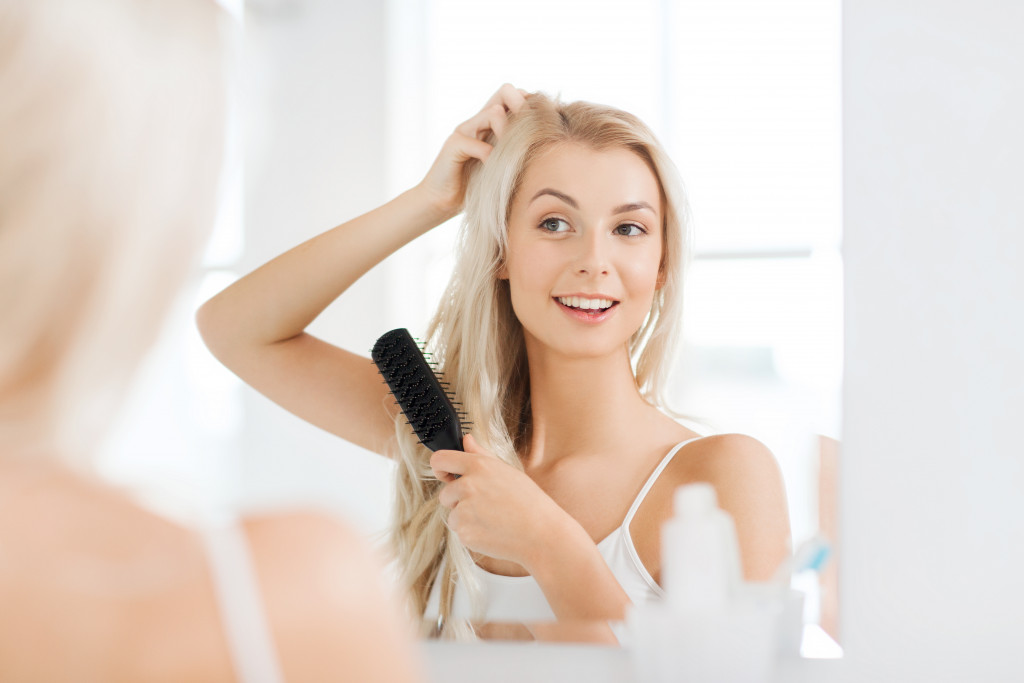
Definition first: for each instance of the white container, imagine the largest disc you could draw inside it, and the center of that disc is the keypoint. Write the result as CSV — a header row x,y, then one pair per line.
x,y
700,558
788,604
707,629
736,645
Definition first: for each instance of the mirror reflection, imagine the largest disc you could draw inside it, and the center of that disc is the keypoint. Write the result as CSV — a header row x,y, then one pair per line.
x,y
553,338
584,433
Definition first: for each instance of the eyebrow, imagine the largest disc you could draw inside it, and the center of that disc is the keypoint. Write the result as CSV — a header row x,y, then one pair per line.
x,y
555,193
633,206
624,208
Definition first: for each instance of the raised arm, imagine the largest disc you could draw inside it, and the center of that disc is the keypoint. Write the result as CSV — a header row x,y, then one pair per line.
x,y
256,326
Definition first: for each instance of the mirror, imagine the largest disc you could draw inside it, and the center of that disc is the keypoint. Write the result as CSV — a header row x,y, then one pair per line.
x,y
345,104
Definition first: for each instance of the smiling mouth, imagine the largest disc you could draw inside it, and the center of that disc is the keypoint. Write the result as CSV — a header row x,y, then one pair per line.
x,y
592,307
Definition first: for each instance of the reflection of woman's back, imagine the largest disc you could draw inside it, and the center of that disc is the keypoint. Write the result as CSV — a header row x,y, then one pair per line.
x,y
107,121
556,331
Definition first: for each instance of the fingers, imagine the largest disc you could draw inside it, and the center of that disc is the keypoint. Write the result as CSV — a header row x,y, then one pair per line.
x,y
509,97
449,465
463,147
450,495
469,445
492,117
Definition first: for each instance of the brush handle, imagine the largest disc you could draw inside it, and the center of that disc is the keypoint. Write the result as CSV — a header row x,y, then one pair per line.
x,y
419,393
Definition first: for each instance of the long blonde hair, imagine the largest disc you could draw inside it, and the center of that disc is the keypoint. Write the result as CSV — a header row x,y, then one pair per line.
x,y
478,342
111,133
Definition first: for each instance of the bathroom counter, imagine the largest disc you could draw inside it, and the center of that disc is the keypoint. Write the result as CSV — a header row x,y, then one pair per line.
x,y
519,662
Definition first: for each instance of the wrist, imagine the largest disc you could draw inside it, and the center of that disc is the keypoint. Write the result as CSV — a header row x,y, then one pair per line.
x,y
434,208
557,540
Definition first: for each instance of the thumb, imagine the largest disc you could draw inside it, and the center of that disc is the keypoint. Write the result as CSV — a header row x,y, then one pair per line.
x,y
470,445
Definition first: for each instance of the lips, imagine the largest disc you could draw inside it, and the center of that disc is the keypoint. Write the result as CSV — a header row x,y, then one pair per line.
x,y
586,309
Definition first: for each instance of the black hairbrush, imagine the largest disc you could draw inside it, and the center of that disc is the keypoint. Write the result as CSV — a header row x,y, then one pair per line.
x,y
417,390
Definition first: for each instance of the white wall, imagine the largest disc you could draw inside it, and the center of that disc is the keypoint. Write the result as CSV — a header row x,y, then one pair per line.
x,y
932,469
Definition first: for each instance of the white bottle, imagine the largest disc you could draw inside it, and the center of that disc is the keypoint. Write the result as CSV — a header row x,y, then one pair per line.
x,y
700,559
705,630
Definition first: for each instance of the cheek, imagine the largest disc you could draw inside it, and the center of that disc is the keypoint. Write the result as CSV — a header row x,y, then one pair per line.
x,y
531,270
641,273
533,275
522,281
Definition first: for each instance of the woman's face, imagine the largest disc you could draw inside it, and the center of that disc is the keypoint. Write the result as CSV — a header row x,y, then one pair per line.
x,y
584,248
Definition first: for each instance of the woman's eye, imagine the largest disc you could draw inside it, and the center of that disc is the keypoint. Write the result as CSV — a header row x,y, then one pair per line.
x,y
629,230
554,225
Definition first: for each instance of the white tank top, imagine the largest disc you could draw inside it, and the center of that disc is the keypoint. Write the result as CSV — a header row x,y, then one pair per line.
x,y
519,598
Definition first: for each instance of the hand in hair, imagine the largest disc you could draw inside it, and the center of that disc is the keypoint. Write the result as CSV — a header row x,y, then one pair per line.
x,y
496,509
445,182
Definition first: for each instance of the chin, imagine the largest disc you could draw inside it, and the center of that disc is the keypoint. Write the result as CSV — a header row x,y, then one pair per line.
x,y
584,345
574,340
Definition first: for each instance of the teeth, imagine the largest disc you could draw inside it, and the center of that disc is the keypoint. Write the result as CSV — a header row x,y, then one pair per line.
x,y
585,304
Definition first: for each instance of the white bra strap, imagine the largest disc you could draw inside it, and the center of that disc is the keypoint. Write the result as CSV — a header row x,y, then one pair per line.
x,y
241,609
653,478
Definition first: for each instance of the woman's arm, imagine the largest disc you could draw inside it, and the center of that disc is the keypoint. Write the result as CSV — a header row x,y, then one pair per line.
x,y
256,327
750,488
575,577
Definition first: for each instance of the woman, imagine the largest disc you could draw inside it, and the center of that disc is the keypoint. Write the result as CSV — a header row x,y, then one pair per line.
x,y
555,332
110,126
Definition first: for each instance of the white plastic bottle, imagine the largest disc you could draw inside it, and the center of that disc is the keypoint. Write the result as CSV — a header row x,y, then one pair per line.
x,y
700,559
705,630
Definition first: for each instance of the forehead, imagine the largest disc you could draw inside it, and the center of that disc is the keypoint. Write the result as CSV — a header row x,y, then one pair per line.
x,y
611,177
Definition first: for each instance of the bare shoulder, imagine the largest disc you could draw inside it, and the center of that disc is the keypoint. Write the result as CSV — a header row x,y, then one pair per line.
x,y
721,458
63,513
749,486
314,547
333,612
744,472
120,592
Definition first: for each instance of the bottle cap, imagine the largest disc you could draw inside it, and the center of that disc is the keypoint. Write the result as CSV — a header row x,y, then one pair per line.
x,y
695,500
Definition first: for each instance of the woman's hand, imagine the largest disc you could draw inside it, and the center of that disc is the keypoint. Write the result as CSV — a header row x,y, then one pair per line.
x,y
500,512
445,182
496,509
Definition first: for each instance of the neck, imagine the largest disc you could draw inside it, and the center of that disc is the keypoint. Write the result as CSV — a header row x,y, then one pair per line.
x,y
581,405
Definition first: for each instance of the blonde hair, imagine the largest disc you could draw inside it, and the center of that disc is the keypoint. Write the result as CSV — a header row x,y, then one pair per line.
x,y
110,126
478,342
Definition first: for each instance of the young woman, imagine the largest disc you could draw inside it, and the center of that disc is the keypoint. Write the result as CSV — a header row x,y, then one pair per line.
x,y
556,330
106,195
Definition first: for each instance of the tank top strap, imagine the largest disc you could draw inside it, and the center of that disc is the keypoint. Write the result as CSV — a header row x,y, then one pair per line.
x,y
653,478
238,597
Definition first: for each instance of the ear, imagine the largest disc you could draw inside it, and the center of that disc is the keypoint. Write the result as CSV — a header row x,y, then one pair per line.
x,y
503,271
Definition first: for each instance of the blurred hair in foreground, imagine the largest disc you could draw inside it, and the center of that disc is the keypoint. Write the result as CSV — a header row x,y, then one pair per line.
x,y
111,129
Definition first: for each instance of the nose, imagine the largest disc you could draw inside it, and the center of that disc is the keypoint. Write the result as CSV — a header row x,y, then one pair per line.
x,y
592,257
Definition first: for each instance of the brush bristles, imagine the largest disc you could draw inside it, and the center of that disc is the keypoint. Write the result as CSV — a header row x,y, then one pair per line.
x,y
422,397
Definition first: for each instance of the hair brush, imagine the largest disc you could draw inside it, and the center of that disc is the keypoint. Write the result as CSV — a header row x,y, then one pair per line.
x,y
423,398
